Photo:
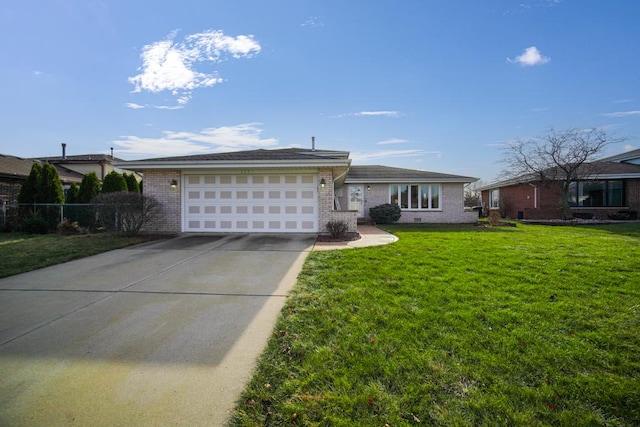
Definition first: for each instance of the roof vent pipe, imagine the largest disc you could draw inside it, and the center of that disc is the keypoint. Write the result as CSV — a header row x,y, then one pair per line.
x,y
64,151
313,143
111,153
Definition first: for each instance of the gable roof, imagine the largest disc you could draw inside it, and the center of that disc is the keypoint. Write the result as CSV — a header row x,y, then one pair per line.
x,y
81,158
19,168
254,158
604,170
632,156
387,174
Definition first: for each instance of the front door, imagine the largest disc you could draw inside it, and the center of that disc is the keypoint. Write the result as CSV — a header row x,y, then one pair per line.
x,y
356,199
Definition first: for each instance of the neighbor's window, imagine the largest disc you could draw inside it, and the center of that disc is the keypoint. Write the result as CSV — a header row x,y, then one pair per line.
x,y
596,193
415,197
494,198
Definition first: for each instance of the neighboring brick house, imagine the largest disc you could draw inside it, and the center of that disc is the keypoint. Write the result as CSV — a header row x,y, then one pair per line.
x,y
101,164
290,190
15,170
613,190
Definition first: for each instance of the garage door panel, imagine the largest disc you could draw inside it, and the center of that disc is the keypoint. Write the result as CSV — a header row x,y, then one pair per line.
x,y
266,203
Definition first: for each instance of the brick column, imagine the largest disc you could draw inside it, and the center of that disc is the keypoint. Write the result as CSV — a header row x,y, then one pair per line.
x,y
325,205
157,184
325,198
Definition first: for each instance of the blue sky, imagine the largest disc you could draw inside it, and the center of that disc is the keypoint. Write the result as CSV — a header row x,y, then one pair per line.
x,y
438,85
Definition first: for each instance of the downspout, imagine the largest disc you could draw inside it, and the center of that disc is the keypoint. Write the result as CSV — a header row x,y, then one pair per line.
x,y
335,205
535,196
340,176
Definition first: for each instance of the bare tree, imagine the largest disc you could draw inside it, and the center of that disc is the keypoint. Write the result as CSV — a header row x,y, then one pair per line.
x,y
124,212
557,159
472,196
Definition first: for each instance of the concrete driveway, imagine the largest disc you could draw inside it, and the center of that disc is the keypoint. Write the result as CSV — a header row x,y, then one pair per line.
x,y
165,333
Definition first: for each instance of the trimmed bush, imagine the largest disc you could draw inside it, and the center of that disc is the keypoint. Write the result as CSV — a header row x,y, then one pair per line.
x,y
50,189
114,182
72,194
30,188
34,223
132,183
89,188
337,229
385,214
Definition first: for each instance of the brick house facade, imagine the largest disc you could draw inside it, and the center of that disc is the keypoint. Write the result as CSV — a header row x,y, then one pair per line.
x,y
289,190
537,200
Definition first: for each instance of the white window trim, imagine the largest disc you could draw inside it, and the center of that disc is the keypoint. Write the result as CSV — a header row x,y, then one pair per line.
x,y
420,209
496,198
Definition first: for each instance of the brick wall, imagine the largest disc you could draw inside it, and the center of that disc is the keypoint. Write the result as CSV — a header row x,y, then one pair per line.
x,y
452,205
451,199
158,185
520,198
376,196
517,198
325,205
633,194
9,189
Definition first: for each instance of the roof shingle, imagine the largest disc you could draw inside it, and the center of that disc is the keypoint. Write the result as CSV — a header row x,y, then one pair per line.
x,y
379,173
19,168
258,155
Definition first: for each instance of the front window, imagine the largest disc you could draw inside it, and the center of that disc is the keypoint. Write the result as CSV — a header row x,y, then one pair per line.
x,y
494,198
596,193
404,196
393,195
415,197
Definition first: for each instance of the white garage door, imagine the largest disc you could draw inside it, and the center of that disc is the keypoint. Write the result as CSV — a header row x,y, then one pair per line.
x,y
258,203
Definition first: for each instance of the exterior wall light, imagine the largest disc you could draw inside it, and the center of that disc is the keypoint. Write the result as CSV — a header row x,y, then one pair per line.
x,y
174,184
323,183
368,188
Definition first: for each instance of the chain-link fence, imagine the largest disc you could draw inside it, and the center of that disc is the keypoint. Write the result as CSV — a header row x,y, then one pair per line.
x,y
121,212
14,215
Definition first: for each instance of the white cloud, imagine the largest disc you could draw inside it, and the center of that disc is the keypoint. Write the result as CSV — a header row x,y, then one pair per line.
x,y
134,106
531,5
358,157
622,101
377,113
172,66
384,113
221,139
628,147
529,57
623,113
500,144
313,21
168,107
41,74
392,141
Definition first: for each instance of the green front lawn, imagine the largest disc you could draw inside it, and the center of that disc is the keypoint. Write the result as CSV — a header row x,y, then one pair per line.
x,y
533,325
25,252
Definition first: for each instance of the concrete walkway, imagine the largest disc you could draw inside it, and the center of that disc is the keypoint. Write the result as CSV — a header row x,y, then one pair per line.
x,y
369,236
166,333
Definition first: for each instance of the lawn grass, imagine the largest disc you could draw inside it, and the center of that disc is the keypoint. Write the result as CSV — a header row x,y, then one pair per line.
x,y
528,325
25,252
